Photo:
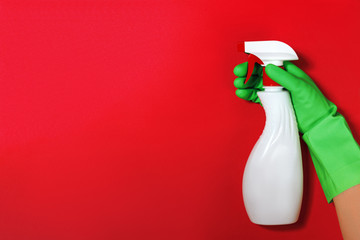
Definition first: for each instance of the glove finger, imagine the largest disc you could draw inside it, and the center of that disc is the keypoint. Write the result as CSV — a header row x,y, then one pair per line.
x,y
284,78
242,69
253,82
248,94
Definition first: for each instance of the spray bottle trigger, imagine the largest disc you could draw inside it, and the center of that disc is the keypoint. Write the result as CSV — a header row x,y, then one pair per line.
x,y
251,64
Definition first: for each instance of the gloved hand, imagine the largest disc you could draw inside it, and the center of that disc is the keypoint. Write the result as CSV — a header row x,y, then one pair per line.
x,y
335,153
249,90
309,103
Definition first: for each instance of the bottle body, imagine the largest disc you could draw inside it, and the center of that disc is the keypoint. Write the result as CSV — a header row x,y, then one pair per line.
x,y
273,176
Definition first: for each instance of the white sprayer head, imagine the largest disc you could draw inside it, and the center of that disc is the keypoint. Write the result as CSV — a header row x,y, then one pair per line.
x,y
274,52
264,53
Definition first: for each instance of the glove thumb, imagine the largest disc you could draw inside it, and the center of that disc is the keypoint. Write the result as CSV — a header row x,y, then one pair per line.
x,y
284,78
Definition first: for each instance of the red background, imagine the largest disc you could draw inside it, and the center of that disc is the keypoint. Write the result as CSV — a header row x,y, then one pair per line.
x,y
118,119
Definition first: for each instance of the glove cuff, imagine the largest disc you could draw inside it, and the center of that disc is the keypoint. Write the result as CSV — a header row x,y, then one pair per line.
x,y
335,154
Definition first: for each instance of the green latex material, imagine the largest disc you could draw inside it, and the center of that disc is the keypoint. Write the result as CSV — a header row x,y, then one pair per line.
x,y
334,151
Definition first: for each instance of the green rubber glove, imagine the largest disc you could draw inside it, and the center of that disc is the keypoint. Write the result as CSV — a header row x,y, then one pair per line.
x,y
249,90
335,153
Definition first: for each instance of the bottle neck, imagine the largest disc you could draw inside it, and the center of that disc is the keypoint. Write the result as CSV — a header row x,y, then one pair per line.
x,y
278,109
273,88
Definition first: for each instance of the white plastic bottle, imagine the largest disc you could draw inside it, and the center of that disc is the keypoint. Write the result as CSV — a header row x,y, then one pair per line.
x,y
273,176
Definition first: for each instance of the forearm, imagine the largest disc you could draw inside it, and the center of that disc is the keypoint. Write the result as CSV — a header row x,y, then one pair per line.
x,y
335,154
347,206
336,157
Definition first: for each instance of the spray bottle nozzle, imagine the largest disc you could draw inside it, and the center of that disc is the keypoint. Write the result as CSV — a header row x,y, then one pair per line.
x,y
266,52
252,60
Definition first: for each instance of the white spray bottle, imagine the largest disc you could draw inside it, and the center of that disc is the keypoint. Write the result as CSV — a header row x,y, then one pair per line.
x,y
273,176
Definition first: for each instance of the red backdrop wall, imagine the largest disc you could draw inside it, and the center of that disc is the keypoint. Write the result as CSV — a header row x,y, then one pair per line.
x,y
118,119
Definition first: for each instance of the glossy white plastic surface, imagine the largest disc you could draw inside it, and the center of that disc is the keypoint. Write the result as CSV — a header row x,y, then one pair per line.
x,y
273,176
274,52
